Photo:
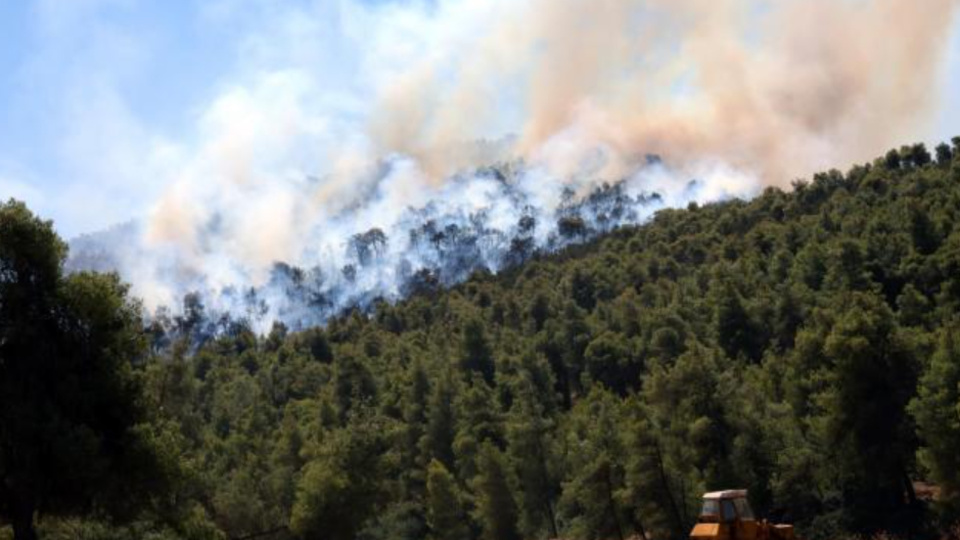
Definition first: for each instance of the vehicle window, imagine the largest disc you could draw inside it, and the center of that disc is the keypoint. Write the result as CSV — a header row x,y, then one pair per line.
x,y
743,509
729,513
711,507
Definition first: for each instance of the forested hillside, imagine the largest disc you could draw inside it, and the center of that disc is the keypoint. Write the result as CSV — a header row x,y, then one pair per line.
x,y
804,345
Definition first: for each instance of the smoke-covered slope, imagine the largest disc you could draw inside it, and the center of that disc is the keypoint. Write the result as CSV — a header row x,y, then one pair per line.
x,y
330,131
484,220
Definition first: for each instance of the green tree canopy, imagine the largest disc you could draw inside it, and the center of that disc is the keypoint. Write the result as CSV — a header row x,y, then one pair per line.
x,y
72,438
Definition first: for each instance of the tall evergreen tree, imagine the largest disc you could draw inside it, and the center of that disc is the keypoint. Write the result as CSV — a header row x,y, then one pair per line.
x,y
441,423
530,447
415,420
650,484
496,507
731,321
475,353
478,421
340,488
445,513
871,376
591,495
936,410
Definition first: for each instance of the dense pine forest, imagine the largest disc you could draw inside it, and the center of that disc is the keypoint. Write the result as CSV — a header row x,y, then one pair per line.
x,y
804,345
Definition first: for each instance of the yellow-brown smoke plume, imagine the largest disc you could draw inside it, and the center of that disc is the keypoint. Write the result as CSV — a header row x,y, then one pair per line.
x,y
779,87
582,90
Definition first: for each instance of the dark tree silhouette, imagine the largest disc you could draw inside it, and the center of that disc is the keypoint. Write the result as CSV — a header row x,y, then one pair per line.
x,y
71,438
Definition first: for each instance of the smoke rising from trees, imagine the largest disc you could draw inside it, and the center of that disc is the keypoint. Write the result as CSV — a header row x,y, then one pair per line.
x,y
357,117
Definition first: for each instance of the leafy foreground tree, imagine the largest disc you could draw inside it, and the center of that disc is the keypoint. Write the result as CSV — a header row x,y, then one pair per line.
x,y
72,433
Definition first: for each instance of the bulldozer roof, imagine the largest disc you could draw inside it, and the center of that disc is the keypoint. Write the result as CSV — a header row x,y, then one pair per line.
x,y
726,494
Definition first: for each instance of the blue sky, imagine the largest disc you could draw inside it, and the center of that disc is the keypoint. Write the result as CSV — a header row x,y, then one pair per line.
x,y
81,78
96,95
85,84
949,124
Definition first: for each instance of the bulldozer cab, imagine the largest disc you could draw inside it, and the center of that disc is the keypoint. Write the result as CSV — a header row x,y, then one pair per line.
x,y
725,515
725,507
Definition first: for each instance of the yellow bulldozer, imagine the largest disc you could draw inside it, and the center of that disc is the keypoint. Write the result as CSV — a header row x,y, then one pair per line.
x,y
726,515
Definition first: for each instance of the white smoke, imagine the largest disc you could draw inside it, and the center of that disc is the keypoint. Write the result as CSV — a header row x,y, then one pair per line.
x,y
350,117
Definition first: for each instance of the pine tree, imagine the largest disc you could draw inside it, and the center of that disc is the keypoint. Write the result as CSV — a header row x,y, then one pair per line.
x,y
650,483
475,353
686,408
415,419
340,489
863,419
496,508
590,498
531,453
479,421
445,513
438,440
732,324
936,410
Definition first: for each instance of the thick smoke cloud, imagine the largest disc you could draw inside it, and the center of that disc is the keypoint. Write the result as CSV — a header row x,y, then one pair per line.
x,y
778,87
353,117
